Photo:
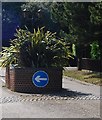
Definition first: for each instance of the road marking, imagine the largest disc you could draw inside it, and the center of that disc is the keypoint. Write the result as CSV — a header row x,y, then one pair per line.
x,y
3,80
38,79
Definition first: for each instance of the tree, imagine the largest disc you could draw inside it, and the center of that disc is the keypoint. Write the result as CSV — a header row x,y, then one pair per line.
x,y
76,18
82,20
96,19
37,14
96,13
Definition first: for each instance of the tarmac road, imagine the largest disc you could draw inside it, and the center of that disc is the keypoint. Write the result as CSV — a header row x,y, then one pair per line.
x,y
52,109
84,104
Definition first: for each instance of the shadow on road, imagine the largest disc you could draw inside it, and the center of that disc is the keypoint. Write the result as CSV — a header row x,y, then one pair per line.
x,y
68,93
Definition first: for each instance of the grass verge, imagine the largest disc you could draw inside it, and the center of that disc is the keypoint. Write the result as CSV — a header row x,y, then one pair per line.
x,y
86,76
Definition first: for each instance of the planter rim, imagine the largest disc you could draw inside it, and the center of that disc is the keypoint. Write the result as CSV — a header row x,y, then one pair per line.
x,y
53,68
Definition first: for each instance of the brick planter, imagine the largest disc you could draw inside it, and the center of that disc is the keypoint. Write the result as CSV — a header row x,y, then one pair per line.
x,y
7,77
20,80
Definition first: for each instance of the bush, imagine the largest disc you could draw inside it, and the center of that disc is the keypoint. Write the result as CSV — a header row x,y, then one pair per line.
x,y
37,49
95,51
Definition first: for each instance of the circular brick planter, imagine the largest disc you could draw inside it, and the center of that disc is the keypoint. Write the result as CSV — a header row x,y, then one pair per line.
x,y
7,79
20,80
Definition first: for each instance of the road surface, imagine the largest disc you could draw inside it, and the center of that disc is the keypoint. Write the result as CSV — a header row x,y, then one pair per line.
x,y
77,100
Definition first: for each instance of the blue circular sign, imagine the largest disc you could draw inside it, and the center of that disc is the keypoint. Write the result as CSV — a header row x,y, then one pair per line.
x,y
40,79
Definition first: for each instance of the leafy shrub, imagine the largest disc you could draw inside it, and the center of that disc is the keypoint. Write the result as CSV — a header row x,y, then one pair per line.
x,y
37,49
95,51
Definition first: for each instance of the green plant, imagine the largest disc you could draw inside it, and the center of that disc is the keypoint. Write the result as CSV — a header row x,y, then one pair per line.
x,y
95,51
37,49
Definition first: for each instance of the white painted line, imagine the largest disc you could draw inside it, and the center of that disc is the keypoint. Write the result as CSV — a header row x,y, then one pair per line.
x,y
3,80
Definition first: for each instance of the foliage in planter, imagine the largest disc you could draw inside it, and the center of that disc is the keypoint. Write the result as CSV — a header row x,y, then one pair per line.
x,y
95,51
37,49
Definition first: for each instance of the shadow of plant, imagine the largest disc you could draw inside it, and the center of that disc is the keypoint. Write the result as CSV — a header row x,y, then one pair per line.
x,y
68,93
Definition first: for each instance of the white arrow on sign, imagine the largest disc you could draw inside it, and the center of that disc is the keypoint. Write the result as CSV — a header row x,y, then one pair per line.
x,y
38,79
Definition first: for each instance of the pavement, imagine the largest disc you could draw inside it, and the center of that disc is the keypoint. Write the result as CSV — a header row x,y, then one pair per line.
x,y
76,100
